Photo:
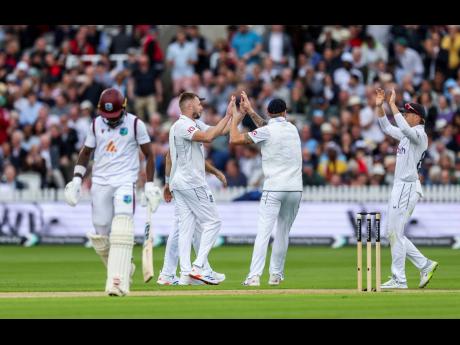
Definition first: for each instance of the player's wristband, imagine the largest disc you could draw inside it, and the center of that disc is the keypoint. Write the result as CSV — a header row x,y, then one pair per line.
x,y
166,179
79,171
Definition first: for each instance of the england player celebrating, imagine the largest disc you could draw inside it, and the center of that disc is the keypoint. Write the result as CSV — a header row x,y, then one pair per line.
x,y
194,200
282,190
171,258
115,135
407,189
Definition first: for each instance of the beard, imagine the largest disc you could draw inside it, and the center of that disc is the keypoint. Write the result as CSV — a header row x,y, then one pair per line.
x,y
196,116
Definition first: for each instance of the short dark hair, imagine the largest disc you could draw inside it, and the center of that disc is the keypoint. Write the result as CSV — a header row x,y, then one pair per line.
x,y
184,97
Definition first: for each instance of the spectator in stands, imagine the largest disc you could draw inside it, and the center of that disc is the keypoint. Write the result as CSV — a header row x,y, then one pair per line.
x,y
4,121
121,41
247,44
18,153
409,62
151,47
9,182
435,58
62,105
343,74
332,163
89,88
451,43
203,48
181,56
235,178
102,74
28,107
80,44
277,44
145,88
373,52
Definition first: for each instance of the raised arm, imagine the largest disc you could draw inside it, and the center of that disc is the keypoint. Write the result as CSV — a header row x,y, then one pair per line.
x,y
215,131
385,124
245,105
407,130
226,130
236,137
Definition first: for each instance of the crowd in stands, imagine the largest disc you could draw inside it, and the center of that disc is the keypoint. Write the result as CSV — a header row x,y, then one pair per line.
x,y
50,86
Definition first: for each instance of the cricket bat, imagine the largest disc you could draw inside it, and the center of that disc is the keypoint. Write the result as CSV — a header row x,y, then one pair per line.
x,y
147,251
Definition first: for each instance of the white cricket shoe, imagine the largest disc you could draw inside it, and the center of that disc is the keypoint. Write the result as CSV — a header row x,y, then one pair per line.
x,y
220,277
165,279
427,274
393,284
252,281
275,279
115,290
185,279
206,277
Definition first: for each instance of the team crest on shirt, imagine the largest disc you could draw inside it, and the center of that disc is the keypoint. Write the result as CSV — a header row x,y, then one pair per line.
x,y
127,199
111,147
123,131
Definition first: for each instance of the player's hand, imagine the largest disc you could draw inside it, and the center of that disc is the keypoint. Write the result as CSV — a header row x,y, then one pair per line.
x,y
222,178
230,107
167,195
72,191
152,195
380,97
392,99
245,105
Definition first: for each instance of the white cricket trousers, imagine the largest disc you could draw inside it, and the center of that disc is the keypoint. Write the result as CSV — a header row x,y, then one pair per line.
x,y
196,207
171,259
274,206
404,197
107,201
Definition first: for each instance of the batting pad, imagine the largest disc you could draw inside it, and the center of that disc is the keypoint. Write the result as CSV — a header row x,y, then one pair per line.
x,y
121,250
101,245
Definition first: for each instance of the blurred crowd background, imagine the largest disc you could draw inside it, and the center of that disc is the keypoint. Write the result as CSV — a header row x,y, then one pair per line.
x,y
51,78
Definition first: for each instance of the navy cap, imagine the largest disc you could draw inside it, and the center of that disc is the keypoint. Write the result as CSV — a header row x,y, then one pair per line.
x,y
414,108
276,106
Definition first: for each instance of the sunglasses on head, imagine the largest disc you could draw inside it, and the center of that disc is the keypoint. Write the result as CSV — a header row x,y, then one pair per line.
x,y
407,106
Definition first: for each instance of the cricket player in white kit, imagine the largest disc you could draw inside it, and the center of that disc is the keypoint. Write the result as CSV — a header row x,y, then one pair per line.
x,y
171,258
407,189
115,136
282,190
194,200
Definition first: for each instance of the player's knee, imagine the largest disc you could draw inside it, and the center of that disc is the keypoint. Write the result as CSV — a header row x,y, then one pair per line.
x,y
211,225
122,230
102,229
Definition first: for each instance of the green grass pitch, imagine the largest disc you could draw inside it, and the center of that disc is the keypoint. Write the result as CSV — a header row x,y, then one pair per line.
x,y
320,283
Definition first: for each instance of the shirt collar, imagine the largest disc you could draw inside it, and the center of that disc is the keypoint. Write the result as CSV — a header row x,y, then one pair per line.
x,y
277,119
183,117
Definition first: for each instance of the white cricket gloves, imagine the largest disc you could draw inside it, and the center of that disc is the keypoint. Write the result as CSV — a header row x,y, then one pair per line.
x,y
72,191
152,195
